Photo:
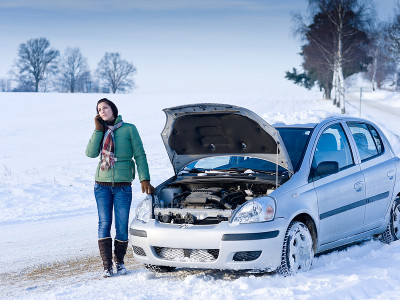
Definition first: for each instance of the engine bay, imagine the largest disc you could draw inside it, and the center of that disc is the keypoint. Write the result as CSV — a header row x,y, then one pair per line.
x,y
204,203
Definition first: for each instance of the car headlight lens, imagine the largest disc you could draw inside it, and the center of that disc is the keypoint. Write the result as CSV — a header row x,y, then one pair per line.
x,y
143,210
258,210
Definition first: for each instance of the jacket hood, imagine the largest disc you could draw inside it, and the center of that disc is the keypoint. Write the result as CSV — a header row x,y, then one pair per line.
x,y
118,119
197,131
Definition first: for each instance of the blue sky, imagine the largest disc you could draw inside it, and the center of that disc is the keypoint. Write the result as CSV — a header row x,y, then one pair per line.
x,y
211,46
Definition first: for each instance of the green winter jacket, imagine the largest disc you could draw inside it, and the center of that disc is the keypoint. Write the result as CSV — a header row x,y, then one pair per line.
x,y
127,145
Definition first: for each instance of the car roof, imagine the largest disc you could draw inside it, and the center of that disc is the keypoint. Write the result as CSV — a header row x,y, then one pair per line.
x,y
313,125
306,126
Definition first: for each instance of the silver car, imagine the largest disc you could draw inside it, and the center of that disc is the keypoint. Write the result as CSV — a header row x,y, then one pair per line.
x,y
247,195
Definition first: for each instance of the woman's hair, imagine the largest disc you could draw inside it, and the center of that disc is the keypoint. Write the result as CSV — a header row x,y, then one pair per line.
x,y
110,103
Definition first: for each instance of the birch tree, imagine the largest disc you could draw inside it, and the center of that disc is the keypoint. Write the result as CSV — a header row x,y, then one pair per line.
x,y
350,19
335,43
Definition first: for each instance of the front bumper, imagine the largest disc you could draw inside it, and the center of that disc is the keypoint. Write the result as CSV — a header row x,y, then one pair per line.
x,y
153,241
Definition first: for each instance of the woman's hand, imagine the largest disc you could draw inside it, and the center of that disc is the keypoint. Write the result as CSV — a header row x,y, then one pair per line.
x,y
98,123
147,187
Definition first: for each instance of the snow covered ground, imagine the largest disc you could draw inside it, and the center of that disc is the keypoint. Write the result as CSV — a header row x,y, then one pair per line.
x,y
48,218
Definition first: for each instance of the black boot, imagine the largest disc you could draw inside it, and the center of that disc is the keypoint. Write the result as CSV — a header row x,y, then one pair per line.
x,y
105,247
119,254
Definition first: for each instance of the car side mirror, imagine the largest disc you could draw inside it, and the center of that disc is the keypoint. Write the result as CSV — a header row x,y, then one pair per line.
x,y
326,168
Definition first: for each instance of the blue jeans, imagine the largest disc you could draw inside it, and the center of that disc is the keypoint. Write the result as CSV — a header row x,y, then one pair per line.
x,y
107,198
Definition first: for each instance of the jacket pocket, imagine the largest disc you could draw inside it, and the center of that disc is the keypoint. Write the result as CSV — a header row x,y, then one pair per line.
x,y
105,176
123,171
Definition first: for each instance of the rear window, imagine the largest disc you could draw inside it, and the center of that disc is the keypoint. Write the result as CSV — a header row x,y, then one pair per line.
x,y
296,141
368,141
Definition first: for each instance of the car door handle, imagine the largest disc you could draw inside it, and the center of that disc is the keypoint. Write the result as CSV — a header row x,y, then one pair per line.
x,y
358,185
390,174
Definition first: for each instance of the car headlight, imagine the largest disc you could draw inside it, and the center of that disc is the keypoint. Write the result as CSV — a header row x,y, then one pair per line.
x,y
143,210
255,211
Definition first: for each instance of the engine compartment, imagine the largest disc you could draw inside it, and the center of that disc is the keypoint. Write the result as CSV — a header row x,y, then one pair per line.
x,y
204,203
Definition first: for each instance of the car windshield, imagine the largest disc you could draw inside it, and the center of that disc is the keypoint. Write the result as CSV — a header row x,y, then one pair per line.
x,y
232,163
295,140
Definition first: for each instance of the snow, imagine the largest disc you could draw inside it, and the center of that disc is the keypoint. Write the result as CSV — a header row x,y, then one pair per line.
x,y
48,216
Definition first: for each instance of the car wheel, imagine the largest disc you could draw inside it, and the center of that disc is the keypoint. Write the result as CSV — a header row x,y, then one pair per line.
x,y
392,232
159,269
298,250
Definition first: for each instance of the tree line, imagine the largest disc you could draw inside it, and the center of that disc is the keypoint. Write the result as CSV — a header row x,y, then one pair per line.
x,y
40,68
344,37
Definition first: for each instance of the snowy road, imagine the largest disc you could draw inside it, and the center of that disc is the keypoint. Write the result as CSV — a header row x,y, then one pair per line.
x,y
393,112
25,245
375,107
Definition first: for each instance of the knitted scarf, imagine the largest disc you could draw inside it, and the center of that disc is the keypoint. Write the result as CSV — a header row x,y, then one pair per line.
x,y
108,148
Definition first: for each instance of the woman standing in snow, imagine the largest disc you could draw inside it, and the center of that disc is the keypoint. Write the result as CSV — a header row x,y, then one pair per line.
x,y
117,143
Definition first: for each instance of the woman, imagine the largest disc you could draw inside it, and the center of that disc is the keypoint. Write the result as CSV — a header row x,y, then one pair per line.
x,y
116,142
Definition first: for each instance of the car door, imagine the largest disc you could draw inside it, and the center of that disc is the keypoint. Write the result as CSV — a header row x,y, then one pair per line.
x,y
378,167
340,195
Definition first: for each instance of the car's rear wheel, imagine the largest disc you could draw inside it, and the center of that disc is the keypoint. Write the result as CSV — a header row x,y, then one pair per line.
x,y
392,232
159,269
298,250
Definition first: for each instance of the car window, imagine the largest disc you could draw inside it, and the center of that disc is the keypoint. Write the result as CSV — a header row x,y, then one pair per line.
x,y
333,146
377,138
368,141
296,141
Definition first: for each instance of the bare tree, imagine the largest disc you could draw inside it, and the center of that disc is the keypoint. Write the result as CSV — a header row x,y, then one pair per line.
x,y
35,62
393,38
5,85
73,70
116,72
384,61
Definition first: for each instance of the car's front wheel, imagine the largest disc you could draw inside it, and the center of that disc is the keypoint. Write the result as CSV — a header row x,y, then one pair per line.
x,y
392,232
159,269
298,250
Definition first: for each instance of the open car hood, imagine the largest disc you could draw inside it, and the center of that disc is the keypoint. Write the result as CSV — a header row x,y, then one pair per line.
x,y
197,131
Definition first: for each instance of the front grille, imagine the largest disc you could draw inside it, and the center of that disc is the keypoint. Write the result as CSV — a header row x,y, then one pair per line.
x,y
138,251
188,255
246,255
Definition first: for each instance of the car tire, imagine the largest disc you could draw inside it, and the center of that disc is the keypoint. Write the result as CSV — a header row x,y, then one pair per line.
x,y
392,232
159,269
298,250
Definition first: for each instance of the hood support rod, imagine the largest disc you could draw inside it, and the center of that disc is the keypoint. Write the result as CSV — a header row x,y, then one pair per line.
x,y
277,160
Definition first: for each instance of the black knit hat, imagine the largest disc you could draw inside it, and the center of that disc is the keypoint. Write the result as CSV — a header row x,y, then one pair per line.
x,y
111,104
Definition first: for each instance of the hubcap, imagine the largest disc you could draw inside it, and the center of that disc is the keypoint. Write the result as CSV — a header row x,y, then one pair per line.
x,y
396,221
300,250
